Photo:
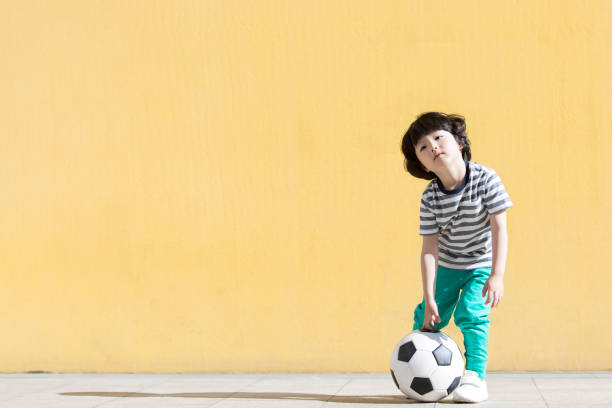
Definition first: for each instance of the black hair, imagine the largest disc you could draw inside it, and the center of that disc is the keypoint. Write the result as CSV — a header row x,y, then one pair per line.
x,y
430,122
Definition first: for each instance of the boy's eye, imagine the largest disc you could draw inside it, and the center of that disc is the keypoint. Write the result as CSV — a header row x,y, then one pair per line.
x,y
437,137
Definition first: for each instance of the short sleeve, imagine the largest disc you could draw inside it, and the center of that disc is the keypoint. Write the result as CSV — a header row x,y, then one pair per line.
x,y
428,225
496,198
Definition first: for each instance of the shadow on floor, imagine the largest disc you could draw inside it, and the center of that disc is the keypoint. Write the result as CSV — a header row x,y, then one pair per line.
x,y
353,399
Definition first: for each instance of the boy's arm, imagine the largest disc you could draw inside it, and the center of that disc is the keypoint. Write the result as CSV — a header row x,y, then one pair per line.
x,y
499,238
493,288
429,266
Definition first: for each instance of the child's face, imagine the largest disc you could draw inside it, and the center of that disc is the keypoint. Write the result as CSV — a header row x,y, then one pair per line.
x,y
437,150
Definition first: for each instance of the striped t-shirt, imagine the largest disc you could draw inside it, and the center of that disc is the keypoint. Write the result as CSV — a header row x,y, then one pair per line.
x,y
461,217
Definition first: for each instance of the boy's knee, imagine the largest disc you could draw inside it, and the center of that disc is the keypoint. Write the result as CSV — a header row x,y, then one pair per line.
x,y
469,315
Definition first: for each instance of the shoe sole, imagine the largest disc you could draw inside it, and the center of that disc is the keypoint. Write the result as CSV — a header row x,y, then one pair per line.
x,y
468,401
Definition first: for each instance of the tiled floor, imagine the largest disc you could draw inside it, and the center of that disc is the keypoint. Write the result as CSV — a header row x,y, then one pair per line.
x,y
522,390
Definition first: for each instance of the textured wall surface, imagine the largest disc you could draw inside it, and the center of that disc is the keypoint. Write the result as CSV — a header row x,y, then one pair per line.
x,y
218,186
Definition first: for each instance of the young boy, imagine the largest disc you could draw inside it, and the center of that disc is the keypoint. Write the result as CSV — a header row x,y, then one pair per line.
x,y
463,224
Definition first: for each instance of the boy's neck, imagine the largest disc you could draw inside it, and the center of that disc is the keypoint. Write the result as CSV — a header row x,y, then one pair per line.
x,y
453,175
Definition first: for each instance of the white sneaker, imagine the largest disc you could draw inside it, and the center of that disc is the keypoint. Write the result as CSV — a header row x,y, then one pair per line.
x,y
471,388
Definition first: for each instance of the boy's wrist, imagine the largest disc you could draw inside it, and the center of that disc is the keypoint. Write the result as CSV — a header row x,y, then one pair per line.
x,y
497,273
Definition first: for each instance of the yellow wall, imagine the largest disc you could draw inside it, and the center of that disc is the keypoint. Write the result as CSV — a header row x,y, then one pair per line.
x,y
217,186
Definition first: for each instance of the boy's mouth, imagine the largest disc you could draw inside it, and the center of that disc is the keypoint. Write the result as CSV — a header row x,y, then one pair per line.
x,y
437,155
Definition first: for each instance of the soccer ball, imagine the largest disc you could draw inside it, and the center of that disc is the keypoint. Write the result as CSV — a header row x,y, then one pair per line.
x,y
426,366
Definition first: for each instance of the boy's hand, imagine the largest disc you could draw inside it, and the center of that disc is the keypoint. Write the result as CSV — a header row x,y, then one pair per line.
x,y
431,317
495,288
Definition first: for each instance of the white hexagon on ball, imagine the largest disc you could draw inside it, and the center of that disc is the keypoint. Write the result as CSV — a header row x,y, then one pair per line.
x,y
426,341
422,364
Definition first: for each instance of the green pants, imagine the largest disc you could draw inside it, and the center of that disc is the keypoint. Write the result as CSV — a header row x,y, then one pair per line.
x,y
463,289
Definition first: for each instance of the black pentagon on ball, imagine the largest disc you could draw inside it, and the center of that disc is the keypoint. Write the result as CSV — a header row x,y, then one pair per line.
x,y
453,385
421,385
406,351
394,380
443,355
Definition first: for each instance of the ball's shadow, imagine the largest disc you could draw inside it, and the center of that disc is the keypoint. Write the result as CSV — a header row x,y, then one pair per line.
x,y
349,399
